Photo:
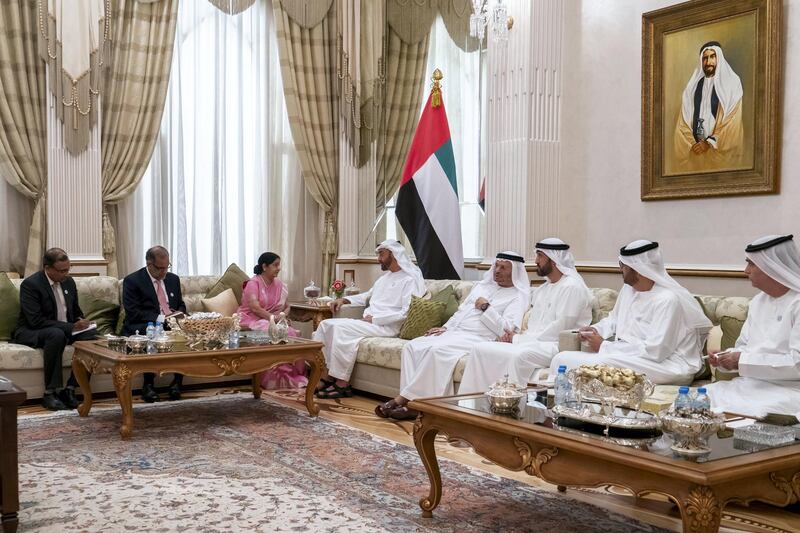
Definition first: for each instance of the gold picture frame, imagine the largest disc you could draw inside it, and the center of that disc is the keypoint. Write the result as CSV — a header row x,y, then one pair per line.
x,y
711,121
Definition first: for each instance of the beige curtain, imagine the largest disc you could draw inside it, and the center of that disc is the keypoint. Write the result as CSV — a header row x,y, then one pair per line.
x,y
23,126
135,89
307,49
405,86
232,7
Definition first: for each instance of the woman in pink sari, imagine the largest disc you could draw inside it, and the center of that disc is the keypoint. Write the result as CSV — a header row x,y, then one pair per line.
x,y
264,296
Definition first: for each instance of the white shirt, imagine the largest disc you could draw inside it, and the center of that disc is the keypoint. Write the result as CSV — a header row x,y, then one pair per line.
x,y
388,299
555,307
649,324
770,339
61,304
507,306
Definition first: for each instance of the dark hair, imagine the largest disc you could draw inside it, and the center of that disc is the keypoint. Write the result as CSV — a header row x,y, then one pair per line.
x,y
154,252
267,258
53,256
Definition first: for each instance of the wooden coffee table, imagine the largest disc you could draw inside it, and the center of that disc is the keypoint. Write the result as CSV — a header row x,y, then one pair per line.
x,y
569,457
9,459
247,360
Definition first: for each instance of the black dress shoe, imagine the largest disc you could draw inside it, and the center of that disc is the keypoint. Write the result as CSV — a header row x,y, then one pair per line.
x,y
175,392
50,401
68,398
149,394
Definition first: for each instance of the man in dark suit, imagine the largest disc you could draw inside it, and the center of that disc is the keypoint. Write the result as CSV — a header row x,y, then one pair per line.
x,y
49,316
149,294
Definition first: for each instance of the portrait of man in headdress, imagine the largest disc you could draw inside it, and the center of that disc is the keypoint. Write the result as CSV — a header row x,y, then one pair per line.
x,y
709,134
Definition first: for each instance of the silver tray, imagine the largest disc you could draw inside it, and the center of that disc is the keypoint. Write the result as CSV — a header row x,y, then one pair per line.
x,y
620,418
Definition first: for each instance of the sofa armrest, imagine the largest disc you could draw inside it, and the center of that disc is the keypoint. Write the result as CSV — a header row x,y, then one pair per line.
x,y
350,311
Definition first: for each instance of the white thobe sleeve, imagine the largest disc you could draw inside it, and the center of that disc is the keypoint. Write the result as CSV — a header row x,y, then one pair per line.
x,y
771,366
607,327
361,298
510,319
661,340
404,299
569,306
463,309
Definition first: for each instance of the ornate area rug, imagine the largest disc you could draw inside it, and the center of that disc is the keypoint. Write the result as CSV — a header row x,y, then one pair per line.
x,y
232,463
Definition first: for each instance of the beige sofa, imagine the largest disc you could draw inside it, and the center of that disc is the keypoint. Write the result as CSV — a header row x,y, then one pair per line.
x,y
377,368
24,365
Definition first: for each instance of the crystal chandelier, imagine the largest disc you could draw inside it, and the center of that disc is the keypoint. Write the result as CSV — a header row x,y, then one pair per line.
x,y
498,19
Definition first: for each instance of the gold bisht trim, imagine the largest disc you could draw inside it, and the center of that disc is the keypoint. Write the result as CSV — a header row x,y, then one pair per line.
x,y
232,7
75,98
436,90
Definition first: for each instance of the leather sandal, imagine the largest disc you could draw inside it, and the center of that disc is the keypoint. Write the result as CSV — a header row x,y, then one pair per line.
x,y
383,409
403,413
326,384
334,392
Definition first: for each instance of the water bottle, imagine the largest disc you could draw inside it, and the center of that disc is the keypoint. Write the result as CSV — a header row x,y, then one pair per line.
x,y
233,338
562,386
683,403
159,329
701,403
150,332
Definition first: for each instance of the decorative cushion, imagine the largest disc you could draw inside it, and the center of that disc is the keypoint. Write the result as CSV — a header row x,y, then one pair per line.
x,y
224,303
422,316
233,279
120,321
9,307
731,329
103,313
448,296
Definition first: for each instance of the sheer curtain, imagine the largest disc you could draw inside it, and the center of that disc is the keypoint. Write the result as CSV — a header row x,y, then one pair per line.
x,y
464,103
224,182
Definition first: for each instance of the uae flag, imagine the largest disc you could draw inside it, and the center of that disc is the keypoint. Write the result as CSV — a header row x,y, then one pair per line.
x,y
427,203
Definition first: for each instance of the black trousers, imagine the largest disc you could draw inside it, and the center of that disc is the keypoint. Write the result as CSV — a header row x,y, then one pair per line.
x,y
149,378
52,341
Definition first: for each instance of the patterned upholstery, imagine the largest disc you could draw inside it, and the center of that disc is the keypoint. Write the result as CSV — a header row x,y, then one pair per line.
x,y
385,352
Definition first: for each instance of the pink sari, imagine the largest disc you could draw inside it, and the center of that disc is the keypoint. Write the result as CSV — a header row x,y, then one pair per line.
x,y
272,298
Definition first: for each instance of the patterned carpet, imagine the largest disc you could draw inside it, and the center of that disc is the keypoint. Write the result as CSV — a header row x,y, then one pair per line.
x,y
232,463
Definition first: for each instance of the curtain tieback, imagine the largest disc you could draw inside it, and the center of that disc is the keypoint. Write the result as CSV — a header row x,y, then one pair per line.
x,y
109,237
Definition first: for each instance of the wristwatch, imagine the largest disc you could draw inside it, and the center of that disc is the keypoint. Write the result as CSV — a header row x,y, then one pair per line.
x,y
485,306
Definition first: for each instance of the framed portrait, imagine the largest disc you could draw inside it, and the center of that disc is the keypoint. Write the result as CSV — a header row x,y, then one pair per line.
x,y
711,99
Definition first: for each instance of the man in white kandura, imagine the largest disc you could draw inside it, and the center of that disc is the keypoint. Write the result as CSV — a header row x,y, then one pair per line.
x,y
767,352
387,301
496,304
660,328
562,302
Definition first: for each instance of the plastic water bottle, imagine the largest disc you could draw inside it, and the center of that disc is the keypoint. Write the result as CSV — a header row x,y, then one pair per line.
x,y
701,403
159,329
150,332
233,339
683,403
562,386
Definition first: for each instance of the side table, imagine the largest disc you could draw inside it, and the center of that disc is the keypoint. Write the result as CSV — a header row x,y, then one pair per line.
x,y
303,312
9,469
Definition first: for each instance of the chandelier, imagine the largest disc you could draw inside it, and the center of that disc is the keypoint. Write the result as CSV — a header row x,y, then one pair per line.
x,y
496,17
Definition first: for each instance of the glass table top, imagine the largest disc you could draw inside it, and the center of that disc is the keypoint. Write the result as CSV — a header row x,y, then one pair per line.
x,y
722,445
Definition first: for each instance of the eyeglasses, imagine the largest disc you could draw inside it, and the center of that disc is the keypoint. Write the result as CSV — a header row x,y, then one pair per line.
x,y
156,267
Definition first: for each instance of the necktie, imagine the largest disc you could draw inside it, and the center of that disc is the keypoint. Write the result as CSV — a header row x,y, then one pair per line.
x,y
162,297
61,305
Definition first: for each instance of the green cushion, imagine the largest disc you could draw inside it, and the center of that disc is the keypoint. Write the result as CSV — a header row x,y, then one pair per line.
x,y
233,278
448,296
9,307
104,314
422,315
705,372
731,329
120,321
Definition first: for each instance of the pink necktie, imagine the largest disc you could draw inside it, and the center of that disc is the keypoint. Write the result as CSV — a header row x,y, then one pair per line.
x,y
162,297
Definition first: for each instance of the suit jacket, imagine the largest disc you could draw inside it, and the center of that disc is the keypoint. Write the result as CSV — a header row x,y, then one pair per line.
x,y
37,304
141,302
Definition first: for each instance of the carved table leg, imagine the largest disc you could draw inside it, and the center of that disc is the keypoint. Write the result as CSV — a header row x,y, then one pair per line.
x,y
701,512
256,385
317,366
9,521
122,383
561,488
424,441
79,370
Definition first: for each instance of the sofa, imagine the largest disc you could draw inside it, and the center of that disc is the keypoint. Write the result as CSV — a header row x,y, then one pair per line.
x,y
24,365
377,368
